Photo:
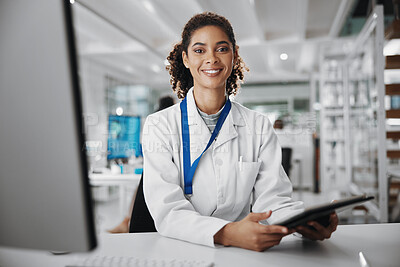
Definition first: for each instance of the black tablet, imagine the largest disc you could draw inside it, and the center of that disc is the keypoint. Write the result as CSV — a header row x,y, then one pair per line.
x,y
320,213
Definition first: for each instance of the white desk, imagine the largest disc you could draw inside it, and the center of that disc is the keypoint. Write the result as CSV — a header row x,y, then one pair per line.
x,y
120,180
380,243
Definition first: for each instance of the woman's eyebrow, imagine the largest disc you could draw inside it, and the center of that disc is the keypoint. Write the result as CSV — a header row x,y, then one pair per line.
x,y
218,43
222,42
198,43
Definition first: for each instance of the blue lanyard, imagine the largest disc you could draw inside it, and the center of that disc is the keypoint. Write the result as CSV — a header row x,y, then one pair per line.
x,y
188,171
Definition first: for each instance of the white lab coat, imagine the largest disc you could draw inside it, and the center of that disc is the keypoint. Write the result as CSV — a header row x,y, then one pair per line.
x,y
223,189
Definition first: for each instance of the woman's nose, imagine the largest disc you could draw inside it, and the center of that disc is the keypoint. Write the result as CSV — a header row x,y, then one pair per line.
x,y
211,58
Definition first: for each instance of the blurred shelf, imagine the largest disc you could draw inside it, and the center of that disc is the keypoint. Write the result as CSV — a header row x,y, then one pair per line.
x,y
393,114
333,81
333,108
332,140
359,107
393,135
361,80
393,89
393,154
333,113
392,62
330,167
393,30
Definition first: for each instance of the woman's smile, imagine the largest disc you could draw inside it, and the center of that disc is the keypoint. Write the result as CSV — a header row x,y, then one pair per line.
x,y
209,58
211,72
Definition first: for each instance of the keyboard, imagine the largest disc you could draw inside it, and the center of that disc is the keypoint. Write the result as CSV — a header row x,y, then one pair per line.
x,y
126,261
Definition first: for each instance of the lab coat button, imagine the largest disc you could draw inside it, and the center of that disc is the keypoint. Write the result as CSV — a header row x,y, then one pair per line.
x,y
218,162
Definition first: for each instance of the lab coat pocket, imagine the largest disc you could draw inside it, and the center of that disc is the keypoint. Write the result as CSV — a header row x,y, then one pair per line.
x,y
246,175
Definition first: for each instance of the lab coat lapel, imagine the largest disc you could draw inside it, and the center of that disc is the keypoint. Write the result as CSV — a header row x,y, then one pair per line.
x,y
228,130
199,132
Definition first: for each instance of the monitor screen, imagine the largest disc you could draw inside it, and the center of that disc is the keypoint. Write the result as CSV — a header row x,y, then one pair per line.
x,y
123,137
45,200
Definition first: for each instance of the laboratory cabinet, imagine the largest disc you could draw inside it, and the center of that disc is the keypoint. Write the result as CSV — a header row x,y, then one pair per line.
x,y
352,118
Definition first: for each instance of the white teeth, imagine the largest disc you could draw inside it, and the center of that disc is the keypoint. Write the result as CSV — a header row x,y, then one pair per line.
x,y
211,71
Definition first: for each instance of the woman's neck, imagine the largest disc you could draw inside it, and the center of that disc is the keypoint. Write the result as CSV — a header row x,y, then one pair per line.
x,y
209,101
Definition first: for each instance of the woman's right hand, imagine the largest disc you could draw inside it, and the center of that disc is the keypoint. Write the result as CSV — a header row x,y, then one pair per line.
x,y
250,234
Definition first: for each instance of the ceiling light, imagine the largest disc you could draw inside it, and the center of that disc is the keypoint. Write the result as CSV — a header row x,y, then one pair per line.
x,y
317,106
119,111
72,1
155,68
129,69
149,6
284,56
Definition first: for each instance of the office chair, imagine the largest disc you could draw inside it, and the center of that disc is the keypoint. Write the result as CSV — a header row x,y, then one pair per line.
x,y
141,220
286,159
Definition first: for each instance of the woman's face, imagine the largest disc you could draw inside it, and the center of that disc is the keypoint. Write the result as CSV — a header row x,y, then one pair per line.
x,y
210,58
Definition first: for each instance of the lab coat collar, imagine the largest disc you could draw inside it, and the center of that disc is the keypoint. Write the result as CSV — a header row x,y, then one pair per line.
x,y
235,117
228,130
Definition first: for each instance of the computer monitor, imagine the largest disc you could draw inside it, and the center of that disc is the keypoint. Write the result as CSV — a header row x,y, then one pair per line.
x,y
45,200
123,137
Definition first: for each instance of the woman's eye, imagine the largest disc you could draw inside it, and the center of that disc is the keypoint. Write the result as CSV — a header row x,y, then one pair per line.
x,y
222,49
198,51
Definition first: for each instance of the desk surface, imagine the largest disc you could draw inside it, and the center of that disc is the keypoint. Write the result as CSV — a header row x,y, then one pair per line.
x,y
380,244
113,179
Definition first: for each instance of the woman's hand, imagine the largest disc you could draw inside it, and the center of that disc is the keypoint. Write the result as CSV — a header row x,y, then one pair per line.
x,y
250,234
320,232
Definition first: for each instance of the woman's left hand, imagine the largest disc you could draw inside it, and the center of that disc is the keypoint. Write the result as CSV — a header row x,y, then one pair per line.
x,y
319,232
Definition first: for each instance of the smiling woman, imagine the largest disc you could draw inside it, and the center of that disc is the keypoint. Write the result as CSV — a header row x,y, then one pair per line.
x,y
181,75
210,59
212,168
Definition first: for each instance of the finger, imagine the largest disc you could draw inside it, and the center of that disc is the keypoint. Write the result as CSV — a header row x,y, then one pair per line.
x,y
273,229
308,235
256,217
334,218
290,231
266,237
273,237
324,232
271,243
334,221
307,232
266,244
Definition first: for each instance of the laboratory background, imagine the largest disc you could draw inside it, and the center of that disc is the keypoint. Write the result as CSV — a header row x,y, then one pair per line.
x,y
78,78
326,73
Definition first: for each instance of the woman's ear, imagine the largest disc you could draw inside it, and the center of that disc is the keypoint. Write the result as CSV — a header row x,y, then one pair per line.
x,y
185,59
236,55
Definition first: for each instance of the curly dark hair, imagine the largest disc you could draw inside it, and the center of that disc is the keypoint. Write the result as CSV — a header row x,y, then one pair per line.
x,y
181,78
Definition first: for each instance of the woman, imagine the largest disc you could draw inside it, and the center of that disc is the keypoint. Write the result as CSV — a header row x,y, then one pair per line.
x,y
238,172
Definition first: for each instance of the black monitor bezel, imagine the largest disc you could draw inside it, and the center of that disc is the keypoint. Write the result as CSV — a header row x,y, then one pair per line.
x,y
68,15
